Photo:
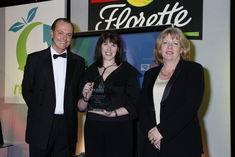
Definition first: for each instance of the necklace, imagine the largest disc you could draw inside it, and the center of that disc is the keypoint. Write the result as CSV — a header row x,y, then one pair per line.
x,y
107,68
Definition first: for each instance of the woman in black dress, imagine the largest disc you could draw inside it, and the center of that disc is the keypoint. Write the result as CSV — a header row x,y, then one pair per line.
x,y
111,88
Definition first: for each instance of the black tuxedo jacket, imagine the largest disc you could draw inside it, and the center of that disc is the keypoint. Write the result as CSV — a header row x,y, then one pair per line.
x,y
179,124
38,90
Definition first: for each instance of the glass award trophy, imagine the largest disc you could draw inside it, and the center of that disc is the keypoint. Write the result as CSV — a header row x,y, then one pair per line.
x,y
99,99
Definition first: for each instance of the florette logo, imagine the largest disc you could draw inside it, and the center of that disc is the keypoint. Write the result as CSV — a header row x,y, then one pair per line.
x,y
27,25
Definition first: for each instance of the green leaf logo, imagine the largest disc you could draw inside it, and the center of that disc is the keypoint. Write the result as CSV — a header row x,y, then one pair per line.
x,y
16,26
21,50
31,14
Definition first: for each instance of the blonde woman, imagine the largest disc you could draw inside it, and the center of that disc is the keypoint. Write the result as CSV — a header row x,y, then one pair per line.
x,y
170,98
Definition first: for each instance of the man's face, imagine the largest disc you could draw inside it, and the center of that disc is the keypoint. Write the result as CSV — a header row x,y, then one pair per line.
x,y
62,36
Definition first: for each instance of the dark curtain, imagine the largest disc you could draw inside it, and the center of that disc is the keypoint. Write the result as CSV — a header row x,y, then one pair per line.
x,y
1,137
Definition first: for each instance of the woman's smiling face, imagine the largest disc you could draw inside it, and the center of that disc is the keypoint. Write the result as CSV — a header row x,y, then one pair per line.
x,y
170,48
109,50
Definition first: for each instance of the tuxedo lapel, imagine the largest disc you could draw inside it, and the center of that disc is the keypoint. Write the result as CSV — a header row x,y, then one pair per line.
x,y
48,67
47,73
171,81
152,79
69,71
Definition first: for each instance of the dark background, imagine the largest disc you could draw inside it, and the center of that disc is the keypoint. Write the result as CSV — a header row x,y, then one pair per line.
x,y
5,3
1,138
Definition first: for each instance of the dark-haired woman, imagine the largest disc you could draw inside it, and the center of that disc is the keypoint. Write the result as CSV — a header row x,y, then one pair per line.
x,y
111,88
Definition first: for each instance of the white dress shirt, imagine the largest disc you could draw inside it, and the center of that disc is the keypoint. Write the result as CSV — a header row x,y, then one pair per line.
x,y
59,71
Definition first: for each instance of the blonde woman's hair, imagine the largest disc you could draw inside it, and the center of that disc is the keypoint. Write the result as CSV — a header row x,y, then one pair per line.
x,y
175,33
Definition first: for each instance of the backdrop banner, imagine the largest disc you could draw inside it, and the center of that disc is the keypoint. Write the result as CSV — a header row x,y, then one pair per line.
x,y
27,29
117,14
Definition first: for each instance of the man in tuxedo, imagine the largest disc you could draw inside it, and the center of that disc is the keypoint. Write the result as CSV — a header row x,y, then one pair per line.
x,y
51,86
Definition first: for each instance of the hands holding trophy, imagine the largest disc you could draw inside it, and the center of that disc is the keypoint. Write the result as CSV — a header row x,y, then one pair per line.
x,y
87,91
94,94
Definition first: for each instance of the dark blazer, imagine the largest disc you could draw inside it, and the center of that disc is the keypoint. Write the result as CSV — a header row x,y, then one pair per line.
x,y
38,90
181,100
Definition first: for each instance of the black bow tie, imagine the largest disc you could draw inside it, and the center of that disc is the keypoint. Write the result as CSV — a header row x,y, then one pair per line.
x,y
63,55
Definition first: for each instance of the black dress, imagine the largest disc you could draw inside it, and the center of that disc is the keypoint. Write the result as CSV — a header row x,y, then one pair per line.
x,y
113,136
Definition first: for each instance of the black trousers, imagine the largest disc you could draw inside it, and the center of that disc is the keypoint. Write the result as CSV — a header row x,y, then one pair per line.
x,y
108,138
58,145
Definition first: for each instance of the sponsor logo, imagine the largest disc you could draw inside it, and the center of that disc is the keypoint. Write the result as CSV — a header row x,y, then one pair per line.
x,y
26,25
144,67
120,14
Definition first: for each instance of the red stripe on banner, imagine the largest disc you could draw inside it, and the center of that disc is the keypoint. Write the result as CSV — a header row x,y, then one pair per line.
x,y
102,1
